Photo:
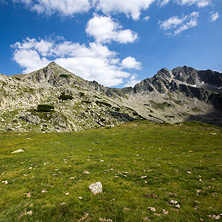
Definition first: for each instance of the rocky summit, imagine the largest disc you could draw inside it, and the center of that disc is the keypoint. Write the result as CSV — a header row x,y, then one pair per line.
x,y
53,99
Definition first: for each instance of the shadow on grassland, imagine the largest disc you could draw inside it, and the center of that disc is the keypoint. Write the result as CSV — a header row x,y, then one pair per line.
x,y
214,118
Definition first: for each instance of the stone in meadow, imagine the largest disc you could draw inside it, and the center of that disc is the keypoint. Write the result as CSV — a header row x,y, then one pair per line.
x,y
96,188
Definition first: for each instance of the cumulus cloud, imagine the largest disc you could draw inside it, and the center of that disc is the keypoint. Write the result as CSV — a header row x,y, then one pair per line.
x,y
199,3
92,62
103,29
64,7
131,8
131,63
214,16
176,25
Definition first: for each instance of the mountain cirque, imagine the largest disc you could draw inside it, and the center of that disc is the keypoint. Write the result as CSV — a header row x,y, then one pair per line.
x,y
53,99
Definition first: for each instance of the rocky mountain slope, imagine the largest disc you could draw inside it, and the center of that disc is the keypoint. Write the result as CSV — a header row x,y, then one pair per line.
x,y
54,99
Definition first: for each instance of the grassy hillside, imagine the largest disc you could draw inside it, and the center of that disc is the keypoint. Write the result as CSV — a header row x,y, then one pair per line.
x,y
140,165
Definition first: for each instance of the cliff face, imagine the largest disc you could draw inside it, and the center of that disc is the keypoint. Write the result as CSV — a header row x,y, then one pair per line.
x,y
192,83
171,96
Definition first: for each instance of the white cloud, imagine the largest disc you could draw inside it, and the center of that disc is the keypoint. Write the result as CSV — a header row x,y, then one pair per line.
x,y
214,16
29,59
132,81
199,3
177,25
131,63
163,2
64,7
105,30
146,18
131,8
172,22
93,62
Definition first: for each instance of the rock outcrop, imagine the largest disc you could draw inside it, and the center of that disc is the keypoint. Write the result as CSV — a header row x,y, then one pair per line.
x,y
71,103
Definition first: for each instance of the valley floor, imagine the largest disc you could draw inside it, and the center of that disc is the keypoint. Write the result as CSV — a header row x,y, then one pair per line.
x,y
149,171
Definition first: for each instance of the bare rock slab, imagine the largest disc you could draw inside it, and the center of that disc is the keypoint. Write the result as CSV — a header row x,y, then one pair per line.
x,y
96,188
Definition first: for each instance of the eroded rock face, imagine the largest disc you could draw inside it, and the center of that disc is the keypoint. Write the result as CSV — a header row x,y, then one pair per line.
x,y
96,188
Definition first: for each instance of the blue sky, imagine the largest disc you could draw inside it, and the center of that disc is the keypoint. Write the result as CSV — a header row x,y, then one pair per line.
x,y
115,42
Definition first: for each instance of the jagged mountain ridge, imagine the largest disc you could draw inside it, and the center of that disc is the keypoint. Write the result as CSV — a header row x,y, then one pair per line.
x,y
170,96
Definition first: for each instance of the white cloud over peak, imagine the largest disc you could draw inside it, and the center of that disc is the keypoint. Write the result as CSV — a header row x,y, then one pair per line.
x,y
64,7
132,81
131,8
103,29
131,63
92,62
214,16
176,25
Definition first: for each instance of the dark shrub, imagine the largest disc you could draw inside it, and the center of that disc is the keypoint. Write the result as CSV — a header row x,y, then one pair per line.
x,y
65,97
64,76
86,101
45,108
81,94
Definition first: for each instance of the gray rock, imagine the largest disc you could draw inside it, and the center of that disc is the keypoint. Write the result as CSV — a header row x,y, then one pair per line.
x,y
30,118
96,188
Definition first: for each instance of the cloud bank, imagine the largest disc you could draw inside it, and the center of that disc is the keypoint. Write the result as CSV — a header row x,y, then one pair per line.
x,y
92,62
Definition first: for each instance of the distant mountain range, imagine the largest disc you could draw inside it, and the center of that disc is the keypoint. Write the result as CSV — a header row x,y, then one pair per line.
x,y
54,99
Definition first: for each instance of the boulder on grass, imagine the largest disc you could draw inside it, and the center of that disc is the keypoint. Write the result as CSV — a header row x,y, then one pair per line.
x,y
96,188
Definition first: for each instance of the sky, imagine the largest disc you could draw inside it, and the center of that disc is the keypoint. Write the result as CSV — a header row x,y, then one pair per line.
x,y
115,42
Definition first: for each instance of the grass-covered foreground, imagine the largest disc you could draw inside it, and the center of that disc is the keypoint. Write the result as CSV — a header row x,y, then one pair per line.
x,y
139,164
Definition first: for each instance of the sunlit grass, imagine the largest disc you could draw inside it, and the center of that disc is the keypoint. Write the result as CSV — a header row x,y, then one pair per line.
x,y
180,162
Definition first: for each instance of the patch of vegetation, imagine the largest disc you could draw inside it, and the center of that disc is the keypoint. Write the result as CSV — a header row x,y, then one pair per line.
x,y
45,108
162,106
103,103
65,97
97,97
178,102
172,117
81,94
170,96
196,109
64,76
86,101
17,78
117,109
27,90
183,114
180,163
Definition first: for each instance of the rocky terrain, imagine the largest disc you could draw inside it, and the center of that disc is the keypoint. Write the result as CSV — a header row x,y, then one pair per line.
x,y
54,99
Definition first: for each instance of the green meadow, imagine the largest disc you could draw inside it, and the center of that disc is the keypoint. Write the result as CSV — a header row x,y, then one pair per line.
x,y
149,172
